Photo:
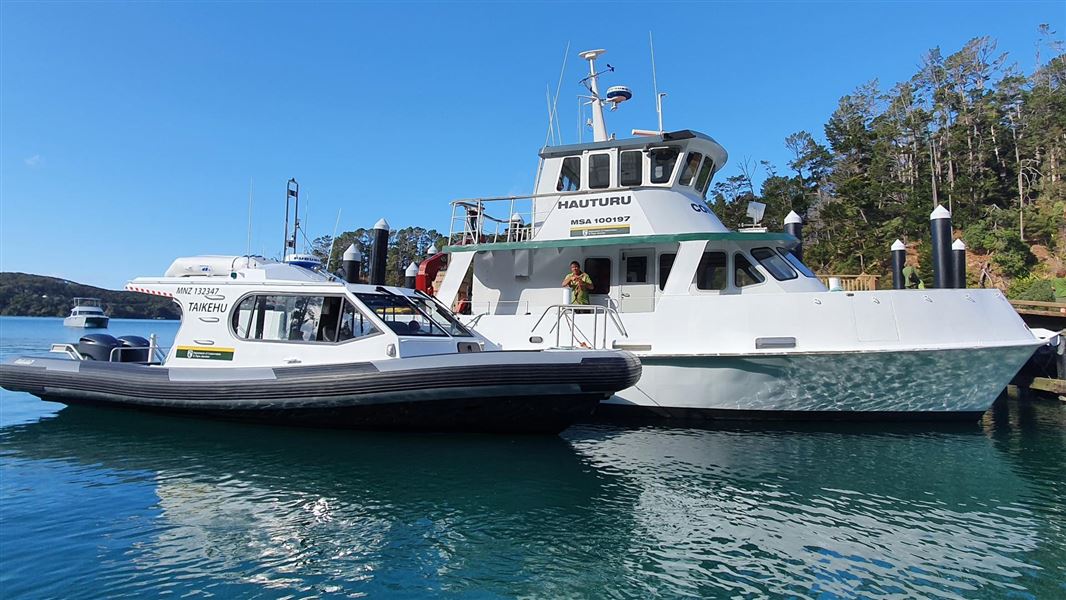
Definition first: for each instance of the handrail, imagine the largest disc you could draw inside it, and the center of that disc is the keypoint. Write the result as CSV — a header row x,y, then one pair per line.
x,y
156,354
569,311
854,283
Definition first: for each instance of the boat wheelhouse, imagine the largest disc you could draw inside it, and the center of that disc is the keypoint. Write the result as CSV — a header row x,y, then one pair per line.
x,y
726,323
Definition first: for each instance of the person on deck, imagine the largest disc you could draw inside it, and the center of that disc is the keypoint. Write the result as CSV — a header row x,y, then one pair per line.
x,y
911,280
579,283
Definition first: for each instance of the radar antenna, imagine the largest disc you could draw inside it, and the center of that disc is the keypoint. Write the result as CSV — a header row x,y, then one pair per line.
x,y
615,95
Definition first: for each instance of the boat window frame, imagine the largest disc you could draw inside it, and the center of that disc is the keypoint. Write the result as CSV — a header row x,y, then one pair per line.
x,y
796,263
792,274
562,173
727,266
387,294
231,326
668,178
663,272
754,269
597,286
595,156
706,168
690,173
640,168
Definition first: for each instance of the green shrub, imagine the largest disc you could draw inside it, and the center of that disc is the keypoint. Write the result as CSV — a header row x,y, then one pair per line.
x,y
1059,283
1032,288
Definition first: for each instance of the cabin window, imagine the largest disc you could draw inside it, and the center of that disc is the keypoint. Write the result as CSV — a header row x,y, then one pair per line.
x,y
745,273
704,180
772,262
631,168
666,263
440,316
401,315
711,272
636,268
795,262
298,318
599,171
570,175
692,164
599,270
662,164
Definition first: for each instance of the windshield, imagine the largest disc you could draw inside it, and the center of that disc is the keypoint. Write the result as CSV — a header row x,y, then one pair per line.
x,y
440,316
401,315
795,262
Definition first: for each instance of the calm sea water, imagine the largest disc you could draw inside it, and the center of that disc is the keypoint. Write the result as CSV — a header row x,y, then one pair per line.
x,y
111,503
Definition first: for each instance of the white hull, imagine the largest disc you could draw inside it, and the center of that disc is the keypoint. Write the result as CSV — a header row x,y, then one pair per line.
x,y
904,383
867,354
88,322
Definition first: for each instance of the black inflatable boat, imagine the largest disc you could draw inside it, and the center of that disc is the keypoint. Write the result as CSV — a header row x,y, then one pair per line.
x,y
539,391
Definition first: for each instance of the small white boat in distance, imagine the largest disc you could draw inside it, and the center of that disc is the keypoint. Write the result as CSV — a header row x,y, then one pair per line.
x,y
87,312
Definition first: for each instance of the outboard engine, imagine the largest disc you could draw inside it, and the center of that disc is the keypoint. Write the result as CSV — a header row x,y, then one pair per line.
x,y
97,346
134,348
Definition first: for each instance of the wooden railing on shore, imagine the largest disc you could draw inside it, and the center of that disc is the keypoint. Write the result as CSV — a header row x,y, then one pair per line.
x,y
1040,309
853,283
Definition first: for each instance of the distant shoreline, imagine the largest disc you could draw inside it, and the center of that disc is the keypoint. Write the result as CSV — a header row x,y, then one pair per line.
x,y
29,295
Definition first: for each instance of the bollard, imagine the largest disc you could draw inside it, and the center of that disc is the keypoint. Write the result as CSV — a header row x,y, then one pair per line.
x,y
380,253
958,265
409,276
351,262
794,227
899,260
940,227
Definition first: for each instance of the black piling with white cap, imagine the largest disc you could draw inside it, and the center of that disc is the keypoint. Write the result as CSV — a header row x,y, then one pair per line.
x,y
940,227
899,260
409,276
380,253
794,227
958,265
351,263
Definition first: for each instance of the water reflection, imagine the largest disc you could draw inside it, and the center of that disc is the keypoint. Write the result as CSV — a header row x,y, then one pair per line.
x,y
139,504
844,510
312,511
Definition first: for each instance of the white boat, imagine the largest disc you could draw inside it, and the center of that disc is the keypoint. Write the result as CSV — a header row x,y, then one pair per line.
x,y
726,323
88,313
266,341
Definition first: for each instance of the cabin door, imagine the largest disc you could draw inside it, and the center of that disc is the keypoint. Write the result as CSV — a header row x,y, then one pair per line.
x,y
637,281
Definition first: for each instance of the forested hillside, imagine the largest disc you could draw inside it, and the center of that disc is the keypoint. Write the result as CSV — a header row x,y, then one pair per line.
x,y
39,296
969,130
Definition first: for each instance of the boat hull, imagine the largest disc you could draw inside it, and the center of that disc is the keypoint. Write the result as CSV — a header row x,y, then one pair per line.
x,y
923,385
86,322
524,392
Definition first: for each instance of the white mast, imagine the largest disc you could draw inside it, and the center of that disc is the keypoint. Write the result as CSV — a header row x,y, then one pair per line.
x,y
599,128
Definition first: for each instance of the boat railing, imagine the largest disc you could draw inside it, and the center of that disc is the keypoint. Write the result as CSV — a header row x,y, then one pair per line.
x,y
852,283
566,316
484,220
157,355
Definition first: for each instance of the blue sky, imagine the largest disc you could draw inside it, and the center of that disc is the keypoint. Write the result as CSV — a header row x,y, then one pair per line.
x,y
129,132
